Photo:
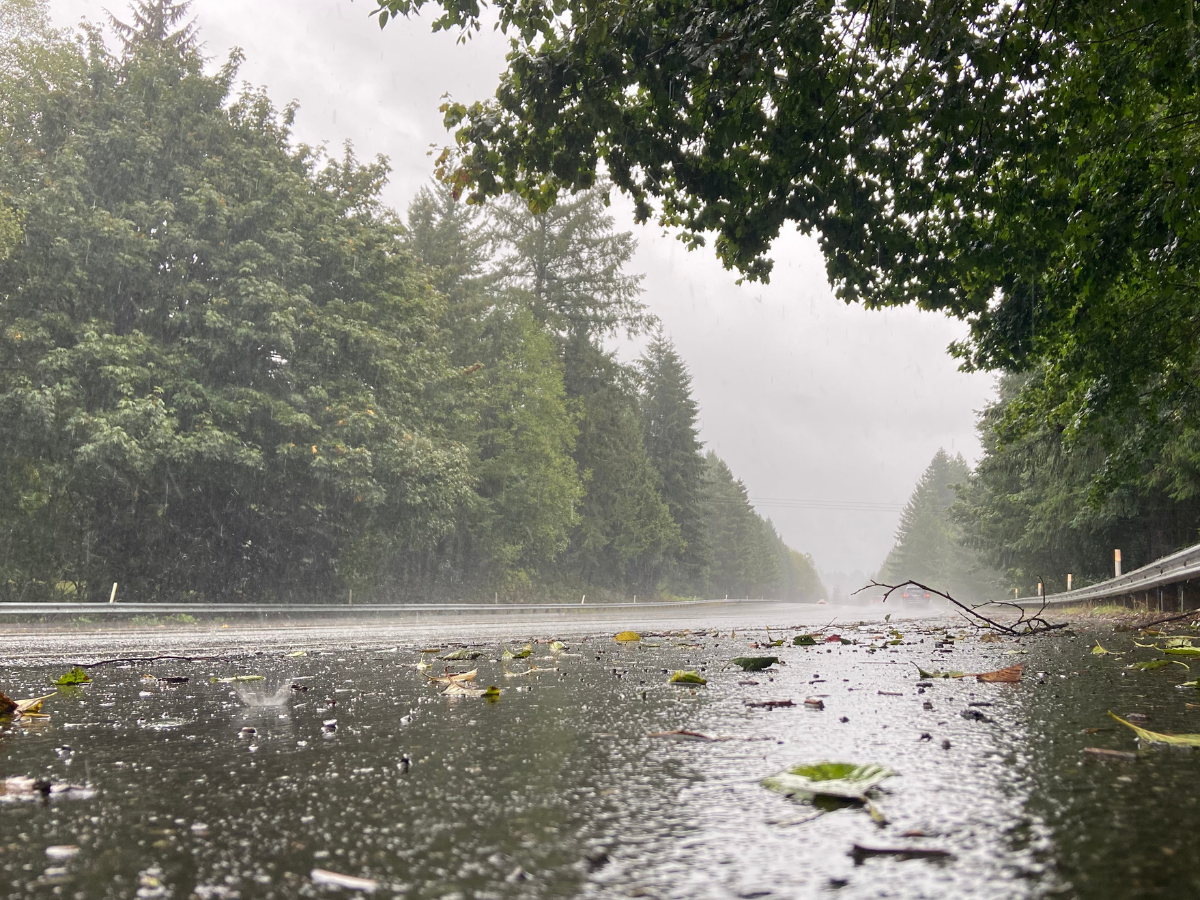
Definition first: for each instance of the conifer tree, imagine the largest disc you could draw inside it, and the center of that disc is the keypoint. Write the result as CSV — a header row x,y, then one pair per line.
x,y
669,417
449,237
1031,510
569,265
743,562
625,535
156,23
929,547
509,409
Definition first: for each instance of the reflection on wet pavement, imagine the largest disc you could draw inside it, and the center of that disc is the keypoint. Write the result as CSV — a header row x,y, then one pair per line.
x,y
348,760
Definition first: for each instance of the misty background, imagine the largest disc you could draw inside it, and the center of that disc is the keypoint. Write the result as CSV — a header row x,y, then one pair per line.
x,y
806,398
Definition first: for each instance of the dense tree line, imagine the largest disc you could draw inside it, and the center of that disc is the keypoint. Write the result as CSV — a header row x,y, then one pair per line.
x,y
1030,512
1033,509
227,369
749,559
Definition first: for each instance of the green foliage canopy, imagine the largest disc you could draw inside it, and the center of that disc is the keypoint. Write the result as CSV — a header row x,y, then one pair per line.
x,y
1027,167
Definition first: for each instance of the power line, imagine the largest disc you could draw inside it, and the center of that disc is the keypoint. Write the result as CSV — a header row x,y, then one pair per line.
x,y
845,505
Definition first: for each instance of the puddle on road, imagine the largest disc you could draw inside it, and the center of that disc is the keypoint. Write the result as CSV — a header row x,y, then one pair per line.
x,y
221,790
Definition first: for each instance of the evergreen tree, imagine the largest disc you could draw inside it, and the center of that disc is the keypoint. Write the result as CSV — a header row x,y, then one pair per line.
x,y
748,557
625,534
744,563
929,547
567,267
509,409
669,415
797,577
569,263
449,237
156,23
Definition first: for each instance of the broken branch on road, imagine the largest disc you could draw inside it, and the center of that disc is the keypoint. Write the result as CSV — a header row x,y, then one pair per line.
x,y
1025,625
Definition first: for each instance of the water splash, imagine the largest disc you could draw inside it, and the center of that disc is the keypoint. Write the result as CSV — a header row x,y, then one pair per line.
x,y
256,695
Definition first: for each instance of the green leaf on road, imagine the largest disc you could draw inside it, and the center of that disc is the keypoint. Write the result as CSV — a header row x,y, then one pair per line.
x,y
1152,664
845,781
1154,737
75,676
687,677
925,674
754,663
462,654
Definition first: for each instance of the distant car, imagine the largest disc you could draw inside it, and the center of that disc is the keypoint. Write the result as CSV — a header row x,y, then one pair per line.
x,y
914,597
821,602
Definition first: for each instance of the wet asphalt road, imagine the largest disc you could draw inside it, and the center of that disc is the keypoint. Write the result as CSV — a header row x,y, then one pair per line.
x,y
207,789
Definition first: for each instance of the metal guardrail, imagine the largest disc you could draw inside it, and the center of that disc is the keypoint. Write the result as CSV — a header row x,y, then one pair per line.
x,y
1183,565
301,609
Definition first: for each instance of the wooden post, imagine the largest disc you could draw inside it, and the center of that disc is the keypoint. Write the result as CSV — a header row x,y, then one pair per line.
x,y
112,598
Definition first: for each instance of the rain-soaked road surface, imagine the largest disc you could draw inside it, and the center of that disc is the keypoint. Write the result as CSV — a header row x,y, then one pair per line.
x,y
558,790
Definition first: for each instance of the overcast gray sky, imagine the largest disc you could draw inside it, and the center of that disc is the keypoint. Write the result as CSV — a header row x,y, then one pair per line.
x,y
804,397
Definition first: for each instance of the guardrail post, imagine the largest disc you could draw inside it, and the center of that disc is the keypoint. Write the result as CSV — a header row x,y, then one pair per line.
x,y
1117,563
1069,577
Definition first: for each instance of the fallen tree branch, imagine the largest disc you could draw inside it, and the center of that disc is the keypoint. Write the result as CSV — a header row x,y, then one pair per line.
x,y
142,659
1026,624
